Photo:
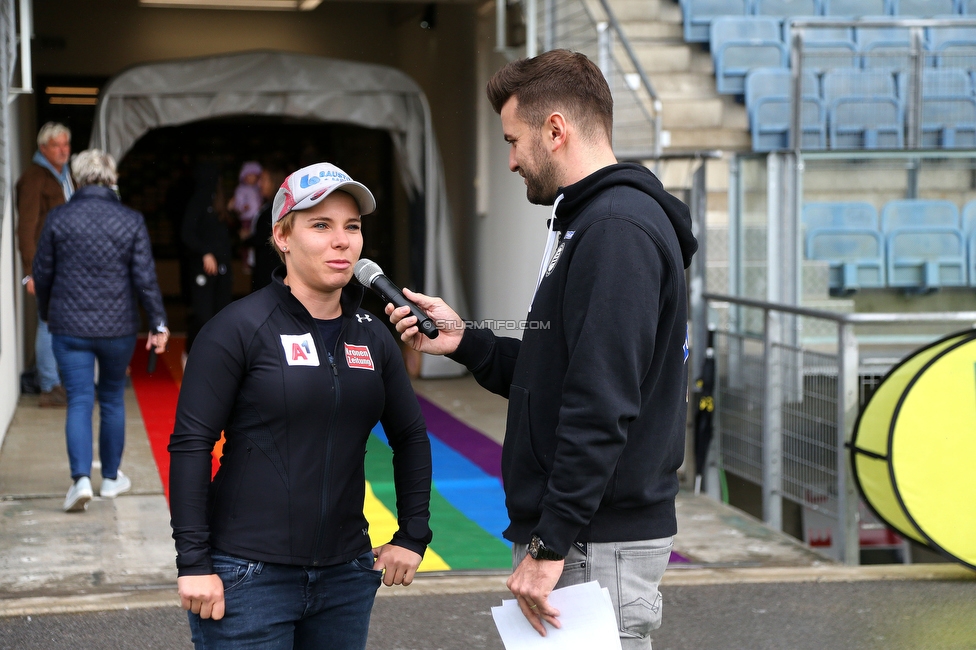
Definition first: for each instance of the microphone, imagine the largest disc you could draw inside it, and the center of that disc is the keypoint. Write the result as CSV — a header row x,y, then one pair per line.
x,y
371,275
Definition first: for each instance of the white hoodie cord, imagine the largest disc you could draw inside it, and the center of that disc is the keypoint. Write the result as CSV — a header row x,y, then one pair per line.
x,y
550,245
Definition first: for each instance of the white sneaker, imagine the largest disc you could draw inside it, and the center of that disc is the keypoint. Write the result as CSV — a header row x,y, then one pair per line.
x,y
79,495
112,488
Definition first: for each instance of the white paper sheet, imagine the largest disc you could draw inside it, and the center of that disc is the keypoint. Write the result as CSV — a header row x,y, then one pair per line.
x,y
585,612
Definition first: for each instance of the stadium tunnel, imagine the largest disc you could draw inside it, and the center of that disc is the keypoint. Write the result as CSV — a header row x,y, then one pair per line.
x,y
370,120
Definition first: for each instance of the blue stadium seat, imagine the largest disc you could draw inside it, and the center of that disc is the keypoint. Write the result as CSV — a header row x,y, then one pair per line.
x,y
912,213
855,8
948,109
949,122
969,230
855,255
839,214
967,7
884,47
925,258
698,15
863,109
768,93
740,44
954,47
946,82
786,8
923,8
825,48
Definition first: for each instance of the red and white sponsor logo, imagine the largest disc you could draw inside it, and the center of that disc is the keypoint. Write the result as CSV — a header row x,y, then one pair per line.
x,y
299,350
357,356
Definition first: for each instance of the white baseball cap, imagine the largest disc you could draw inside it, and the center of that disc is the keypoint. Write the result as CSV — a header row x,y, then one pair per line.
x,y
310,185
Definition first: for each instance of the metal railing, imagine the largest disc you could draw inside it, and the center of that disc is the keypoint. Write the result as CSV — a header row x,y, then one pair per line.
x,y
816,46
593,29
785,409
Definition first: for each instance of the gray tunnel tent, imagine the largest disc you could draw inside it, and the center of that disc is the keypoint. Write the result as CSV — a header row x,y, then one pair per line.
x,y
172,93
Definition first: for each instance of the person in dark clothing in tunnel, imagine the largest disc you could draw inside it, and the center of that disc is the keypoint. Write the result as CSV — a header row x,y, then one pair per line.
x,y
207,241
266,259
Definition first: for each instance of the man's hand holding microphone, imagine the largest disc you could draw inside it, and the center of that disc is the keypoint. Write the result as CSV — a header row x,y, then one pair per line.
x,y
425,323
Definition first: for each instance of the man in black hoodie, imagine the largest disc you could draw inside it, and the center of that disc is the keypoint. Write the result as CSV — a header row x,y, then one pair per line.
x,y
597,385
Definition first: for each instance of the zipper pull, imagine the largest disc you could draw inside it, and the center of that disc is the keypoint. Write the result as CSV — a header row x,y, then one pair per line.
x,y
335,370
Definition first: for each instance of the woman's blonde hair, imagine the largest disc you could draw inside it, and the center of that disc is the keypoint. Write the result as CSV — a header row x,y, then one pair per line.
x,y
285,224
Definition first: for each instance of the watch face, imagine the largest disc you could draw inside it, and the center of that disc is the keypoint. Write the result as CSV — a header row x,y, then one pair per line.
x,y
534,547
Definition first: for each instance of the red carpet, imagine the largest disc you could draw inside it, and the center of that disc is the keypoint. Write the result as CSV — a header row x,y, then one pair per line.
x,y
157,395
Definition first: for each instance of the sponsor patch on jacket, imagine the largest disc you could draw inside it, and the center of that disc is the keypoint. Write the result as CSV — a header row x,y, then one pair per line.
x,y
555,258
299,350
357,356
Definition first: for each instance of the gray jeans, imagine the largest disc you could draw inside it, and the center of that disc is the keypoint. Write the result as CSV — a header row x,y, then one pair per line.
x,y
631,572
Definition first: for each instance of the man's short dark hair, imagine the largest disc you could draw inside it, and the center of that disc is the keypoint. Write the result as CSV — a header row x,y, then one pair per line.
x,y
557,80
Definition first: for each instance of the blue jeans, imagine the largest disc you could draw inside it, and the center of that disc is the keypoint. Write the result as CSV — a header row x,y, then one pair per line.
x,y
281,607
47,367
76,358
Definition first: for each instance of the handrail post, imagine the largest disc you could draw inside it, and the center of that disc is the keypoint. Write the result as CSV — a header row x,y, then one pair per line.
x,y
772,475
796,91
603,50
531,29
914,117
848,537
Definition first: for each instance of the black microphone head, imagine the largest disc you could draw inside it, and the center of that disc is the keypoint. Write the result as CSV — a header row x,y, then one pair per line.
x,y
366,271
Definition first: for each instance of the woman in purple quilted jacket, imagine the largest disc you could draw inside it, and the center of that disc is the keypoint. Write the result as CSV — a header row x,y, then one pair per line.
x,y
92,268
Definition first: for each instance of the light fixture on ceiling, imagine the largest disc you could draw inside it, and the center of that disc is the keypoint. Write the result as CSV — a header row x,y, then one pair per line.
x,y
71,95
265,5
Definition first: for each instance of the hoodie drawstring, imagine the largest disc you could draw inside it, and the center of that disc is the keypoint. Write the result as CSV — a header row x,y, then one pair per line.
x,y
550,245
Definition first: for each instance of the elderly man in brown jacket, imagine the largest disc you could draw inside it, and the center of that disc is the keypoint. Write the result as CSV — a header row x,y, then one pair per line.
x,y
44,185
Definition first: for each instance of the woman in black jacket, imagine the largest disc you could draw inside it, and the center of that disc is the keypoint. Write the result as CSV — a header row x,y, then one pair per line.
x,y
93,265
275,551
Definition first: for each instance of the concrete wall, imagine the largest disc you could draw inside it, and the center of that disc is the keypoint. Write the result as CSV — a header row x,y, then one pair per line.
x,y
11,293
509,234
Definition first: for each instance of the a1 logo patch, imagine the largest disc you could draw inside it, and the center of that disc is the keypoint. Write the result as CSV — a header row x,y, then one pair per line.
x,y
357,356
299,350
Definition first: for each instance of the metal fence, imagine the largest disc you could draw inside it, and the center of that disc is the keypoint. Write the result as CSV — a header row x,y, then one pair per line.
x,y
882,83
593,29
785,408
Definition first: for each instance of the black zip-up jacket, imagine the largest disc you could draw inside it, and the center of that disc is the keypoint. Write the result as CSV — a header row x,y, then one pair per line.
x,y
597,385
291,485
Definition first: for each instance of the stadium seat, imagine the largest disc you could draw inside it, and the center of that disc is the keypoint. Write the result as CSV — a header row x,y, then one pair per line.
x,y
698,15
949,122
923,8
863,109
967,7
740,44
953,47
855,8
825,48
786,8
925,258
912,213
855,257
946,82
948,109
839,214
969,232
768,92
884,47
